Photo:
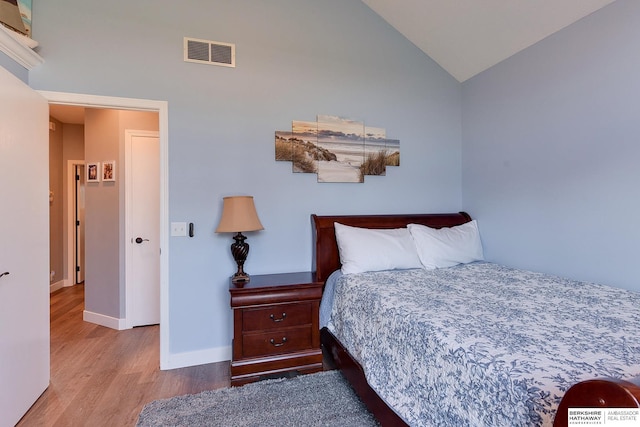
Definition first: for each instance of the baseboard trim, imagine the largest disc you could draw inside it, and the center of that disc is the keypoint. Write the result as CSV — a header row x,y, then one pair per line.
x,y
200,357
57,285
102,320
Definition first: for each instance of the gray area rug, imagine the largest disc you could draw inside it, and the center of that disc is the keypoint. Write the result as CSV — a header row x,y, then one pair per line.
x,y
322,399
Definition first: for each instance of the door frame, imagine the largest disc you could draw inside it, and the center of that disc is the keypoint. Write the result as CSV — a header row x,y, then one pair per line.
x,y
70,279
162,108
128,252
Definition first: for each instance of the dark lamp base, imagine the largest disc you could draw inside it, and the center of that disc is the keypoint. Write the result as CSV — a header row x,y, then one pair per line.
x,y
240,278
240,250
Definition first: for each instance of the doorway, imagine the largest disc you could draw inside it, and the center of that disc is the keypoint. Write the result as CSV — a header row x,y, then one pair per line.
x,y
94,135
78,220
75,222
161,107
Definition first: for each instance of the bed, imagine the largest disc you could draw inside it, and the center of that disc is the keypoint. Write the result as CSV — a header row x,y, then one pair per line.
x,y
472,344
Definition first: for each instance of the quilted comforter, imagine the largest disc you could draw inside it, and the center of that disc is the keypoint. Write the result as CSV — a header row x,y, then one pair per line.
x,y
482,344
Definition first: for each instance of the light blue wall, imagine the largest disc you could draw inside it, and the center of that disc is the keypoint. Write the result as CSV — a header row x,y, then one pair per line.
x,y
551,151
13,67
295,59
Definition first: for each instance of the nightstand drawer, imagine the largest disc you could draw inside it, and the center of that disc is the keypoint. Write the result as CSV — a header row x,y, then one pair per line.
x,y
276,342
276,317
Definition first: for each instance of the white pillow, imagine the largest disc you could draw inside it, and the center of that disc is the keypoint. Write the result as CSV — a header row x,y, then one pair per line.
x,y
366,249
446,247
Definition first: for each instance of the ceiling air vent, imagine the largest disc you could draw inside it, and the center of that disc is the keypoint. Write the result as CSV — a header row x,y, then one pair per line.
x,y
209,52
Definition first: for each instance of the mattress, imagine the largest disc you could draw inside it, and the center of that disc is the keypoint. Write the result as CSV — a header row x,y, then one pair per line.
x,y
481,344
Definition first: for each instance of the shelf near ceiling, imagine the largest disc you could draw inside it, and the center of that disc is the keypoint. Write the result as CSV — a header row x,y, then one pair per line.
x,y
19,48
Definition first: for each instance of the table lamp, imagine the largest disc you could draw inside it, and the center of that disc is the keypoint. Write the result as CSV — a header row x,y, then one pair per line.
x,y
238,215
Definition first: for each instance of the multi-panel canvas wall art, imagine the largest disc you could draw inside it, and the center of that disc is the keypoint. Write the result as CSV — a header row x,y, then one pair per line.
x,y
25,14
16,14
337,149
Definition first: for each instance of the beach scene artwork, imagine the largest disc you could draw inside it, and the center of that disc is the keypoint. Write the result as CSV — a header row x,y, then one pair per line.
x,y
16,15
25,13
304,151
380,151
337,149
284,143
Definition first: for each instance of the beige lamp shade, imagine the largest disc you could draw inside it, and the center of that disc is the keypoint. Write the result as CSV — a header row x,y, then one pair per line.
x,y
238,214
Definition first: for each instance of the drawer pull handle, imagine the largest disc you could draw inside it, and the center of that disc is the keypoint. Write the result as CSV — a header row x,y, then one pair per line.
x,y
280,344
272,317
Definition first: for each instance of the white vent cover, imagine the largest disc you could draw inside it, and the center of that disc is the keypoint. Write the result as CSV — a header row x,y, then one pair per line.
x,y
209,52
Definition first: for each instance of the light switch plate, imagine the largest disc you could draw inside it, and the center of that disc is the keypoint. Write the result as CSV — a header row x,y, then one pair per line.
x,y
178,228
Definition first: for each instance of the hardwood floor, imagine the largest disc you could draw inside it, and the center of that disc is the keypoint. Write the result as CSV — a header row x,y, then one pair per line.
x,y
103,377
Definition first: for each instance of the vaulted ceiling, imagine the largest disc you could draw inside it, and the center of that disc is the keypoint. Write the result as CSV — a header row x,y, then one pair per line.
x,y
468,36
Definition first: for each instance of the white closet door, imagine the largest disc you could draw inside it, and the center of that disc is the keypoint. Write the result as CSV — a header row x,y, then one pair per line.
x,y
24,247
143,225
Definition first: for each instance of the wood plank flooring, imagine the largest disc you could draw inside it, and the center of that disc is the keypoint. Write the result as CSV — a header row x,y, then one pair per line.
x,y
103,377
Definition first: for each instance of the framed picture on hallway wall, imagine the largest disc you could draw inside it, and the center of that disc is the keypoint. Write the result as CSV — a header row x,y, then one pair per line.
x,y
109,171
93,172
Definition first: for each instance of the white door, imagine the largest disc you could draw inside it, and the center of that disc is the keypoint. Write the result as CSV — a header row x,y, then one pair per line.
x,y
142,188
24,247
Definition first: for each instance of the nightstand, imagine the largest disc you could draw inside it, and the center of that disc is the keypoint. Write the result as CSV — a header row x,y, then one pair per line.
x,y
275,326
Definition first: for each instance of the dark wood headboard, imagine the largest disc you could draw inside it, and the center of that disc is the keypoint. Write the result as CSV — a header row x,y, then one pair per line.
x,y
326,258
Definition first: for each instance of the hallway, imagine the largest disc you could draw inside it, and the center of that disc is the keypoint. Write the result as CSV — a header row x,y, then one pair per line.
x,y
103,377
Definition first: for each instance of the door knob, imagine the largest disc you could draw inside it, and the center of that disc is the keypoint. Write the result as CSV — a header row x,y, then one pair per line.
x,y
6,273
140,240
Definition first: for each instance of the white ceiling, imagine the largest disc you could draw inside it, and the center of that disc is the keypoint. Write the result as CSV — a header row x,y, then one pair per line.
x,y
468,36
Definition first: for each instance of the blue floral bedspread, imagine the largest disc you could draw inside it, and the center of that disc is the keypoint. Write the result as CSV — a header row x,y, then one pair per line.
x,y
482,344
